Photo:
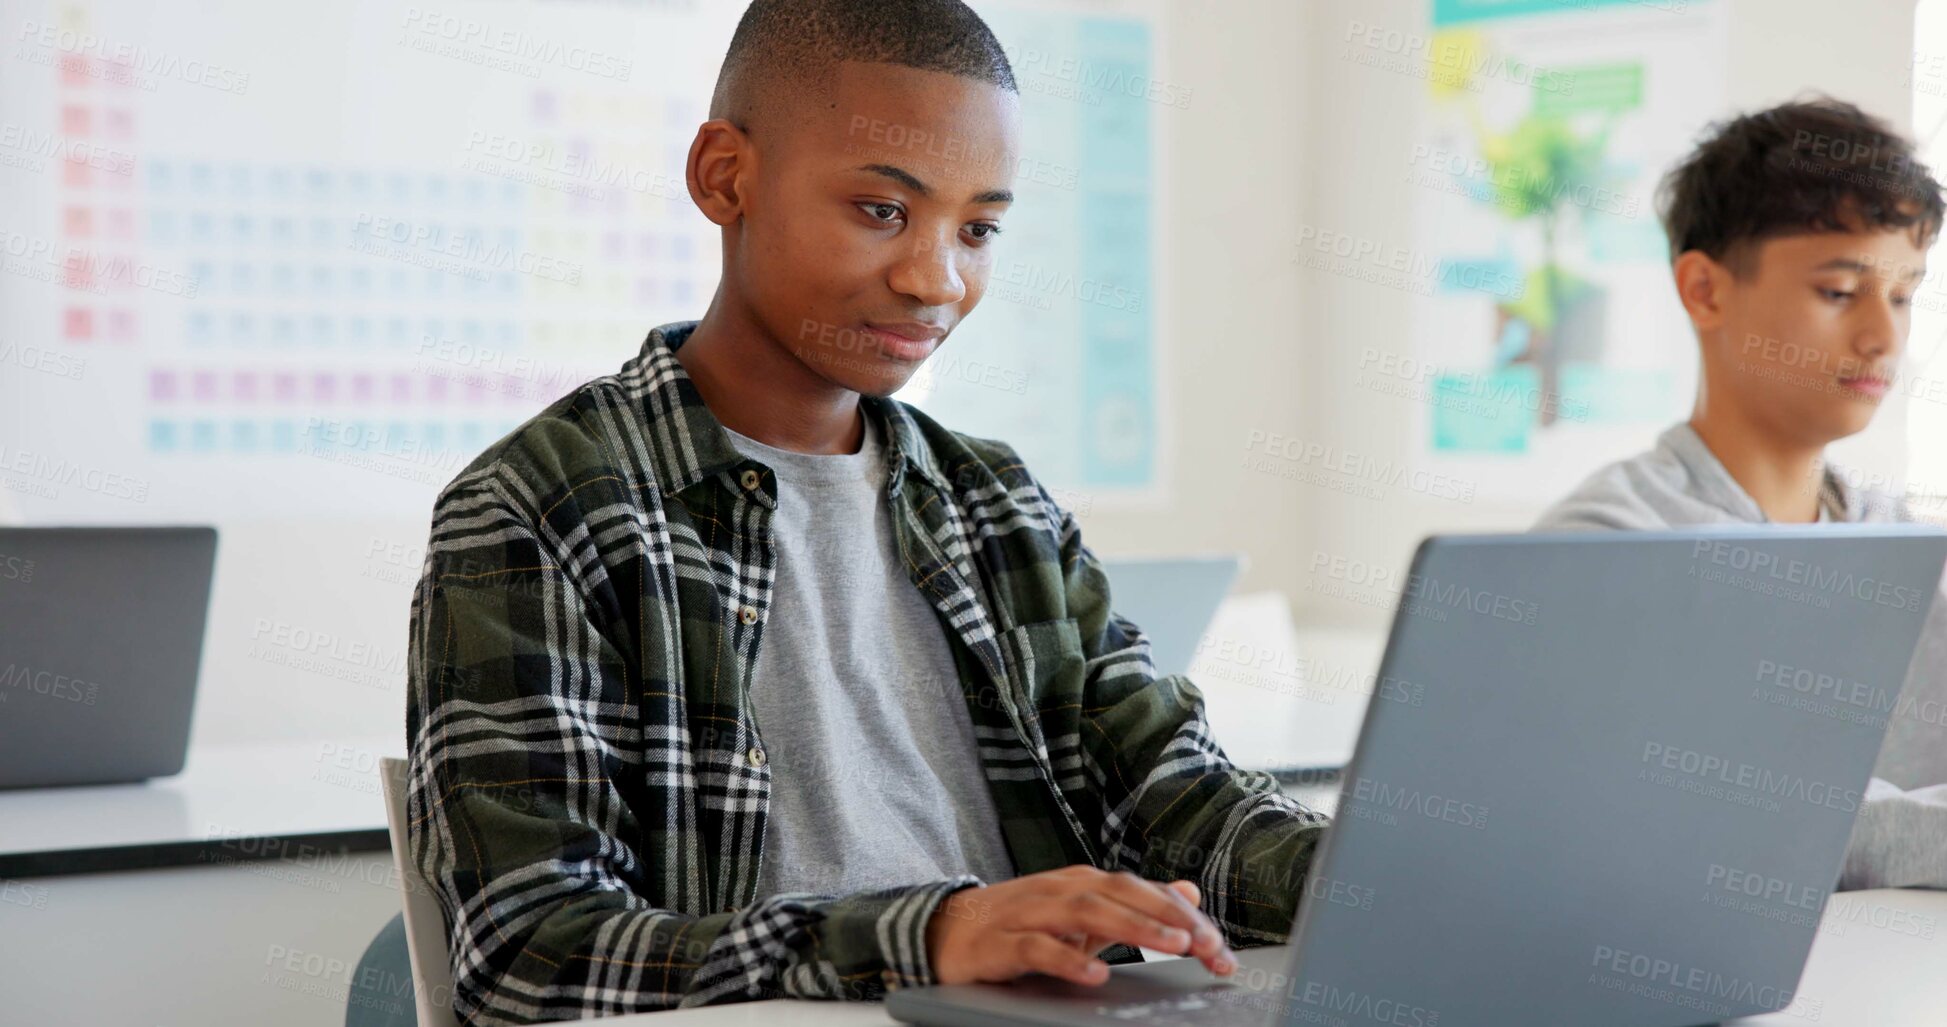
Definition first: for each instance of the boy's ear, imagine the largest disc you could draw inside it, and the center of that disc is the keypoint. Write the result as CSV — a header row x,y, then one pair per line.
x,y
721,158
1702,284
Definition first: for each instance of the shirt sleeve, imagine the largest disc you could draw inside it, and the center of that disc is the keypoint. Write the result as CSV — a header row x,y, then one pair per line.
x,y
526,762
1899,840
1172,804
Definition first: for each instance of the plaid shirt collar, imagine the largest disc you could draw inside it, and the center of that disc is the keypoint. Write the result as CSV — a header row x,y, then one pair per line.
x,y
693,447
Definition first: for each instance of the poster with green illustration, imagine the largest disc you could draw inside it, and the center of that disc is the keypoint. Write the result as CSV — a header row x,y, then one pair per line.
x,y
1547,128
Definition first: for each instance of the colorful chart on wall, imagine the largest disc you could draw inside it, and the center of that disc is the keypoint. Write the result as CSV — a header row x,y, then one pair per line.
x,y
1553,337
282,259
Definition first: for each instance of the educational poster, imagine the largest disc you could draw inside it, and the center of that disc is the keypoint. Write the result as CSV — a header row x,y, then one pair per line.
x,y
1553,340
287,259
1059,357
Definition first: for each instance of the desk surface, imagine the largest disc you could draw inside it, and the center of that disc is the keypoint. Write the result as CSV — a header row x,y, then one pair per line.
x,y
1876,963
231,803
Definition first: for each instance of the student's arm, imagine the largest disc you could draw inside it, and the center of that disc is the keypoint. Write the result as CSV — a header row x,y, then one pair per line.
x,y
1899,840
1172,805
530,779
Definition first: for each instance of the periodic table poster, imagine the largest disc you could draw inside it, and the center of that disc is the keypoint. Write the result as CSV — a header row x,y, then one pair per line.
x,y
289,259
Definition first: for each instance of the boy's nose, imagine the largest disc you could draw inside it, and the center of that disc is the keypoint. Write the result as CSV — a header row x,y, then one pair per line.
x,y
927,273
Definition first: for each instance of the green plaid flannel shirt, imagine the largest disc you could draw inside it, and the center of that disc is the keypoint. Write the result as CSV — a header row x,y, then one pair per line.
x,y
588,789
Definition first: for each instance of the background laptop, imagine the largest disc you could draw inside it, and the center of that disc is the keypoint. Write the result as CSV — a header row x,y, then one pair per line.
x,y
1172,600
1565,789
101,634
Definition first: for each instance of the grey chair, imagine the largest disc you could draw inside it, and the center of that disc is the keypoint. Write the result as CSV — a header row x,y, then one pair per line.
x,y
410,948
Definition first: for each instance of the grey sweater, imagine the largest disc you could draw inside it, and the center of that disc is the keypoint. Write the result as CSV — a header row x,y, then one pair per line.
x,y
1900,839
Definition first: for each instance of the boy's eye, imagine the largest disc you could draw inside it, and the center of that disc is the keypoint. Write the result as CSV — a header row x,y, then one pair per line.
x,y
992,230
1835,294
876,209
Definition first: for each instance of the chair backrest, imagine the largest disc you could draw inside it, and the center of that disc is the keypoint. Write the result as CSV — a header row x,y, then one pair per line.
x,y
432,971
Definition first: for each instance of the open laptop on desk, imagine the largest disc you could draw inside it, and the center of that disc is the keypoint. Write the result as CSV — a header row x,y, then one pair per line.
x,y
101,635
1568,785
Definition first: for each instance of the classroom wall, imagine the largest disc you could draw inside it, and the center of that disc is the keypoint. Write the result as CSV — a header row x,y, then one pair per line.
x,y
1234,177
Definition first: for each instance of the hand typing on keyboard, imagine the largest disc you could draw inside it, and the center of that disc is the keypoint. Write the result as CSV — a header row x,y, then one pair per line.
x,y
1056,922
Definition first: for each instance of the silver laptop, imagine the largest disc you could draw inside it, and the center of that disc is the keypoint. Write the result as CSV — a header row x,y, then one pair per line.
x,y
1593,791
1172,600
101,634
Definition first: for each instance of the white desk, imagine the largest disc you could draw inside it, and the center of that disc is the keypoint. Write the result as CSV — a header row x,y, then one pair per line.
x,y
1859,975
240,891
231,803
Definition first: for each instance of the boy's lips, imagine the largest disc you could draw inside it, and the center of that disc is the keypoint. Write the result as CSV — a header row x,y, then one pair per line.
x,y
1867,385
905,340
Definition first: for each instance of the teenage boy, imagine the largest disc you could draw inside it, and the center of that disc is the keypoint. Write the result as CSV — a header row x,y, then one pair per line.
x,y
1799,235
677,722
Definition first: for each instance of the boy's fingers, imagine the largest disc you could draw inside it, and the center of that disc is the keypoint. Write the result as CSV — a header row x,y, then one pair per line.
x,y
1168,905
1043,953
1101,916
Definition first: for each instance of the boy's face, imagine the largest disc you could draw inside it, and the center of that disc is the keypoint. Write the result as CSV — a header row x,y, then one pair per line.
x,y
1809,338
868,227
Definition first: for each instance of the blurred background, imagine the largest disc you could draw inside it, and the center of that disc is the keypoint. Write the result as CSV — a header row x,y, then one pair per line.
x,y
1305,280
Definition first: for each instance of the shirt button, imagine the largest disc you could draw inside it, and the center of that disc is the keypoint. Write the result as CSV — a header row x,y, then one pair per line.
x,y
750,480
748,615
756,755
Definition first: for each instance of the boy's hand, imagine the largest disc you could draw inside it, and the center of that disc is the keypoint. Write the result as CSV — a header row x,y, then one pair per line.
x,y
1055,922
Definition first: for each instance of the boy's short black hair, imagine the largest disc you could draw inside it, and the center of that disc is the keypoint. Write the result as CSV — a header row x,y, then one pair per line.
x,y
784,50
1818,165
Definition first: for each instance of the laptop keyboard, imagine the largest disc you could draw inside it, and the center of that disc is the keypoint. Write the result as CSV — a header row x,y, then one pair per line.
x,y
1196,1009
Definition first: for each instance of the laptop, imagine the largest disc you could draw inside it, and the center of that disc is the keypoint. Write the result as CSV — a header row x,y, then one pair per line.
x,y
1172,600
101,635
1590,790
